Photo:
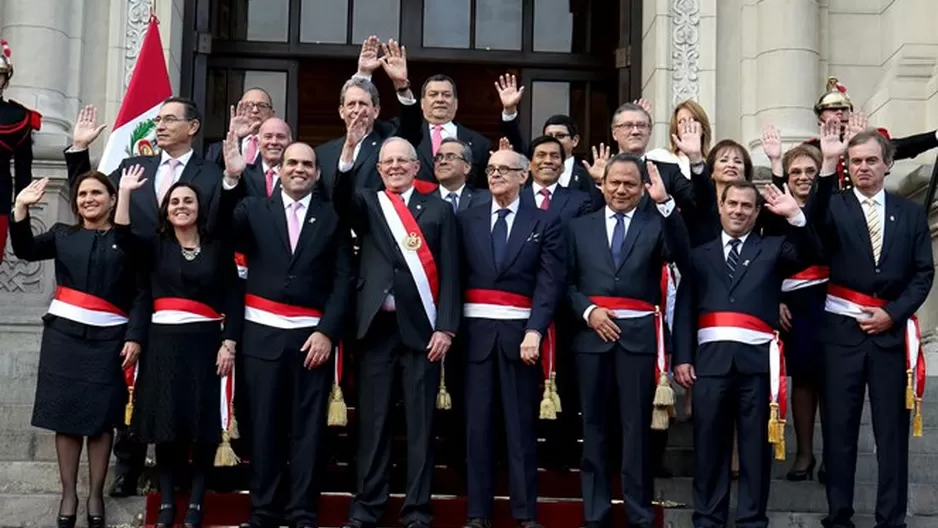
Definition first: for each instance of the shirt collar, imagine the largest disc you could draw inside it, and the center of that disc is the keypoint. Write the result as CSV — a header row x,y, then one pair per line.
x,y
513,206
727,238
444,192
537,188
611,214
265,167
287,201
183,160
879,198
449,128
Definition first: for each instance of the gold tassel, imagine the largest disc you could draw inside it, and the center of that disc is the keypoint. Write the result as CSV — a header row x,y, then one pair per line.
x,y
780,444
909,393
660,419
225,455
233,431
554,395
338,411
664,394
548,411
444,401
129,408
773,423
918,428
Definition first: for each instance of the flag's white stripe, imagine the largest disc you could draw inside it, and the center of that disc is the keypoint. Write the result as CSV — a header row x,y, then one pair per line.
x,y
119,140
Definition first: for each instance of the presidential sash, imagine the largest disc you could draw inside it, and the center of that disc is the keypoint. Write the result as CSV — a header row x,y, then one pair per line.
x,y
85,308
176,310
806,278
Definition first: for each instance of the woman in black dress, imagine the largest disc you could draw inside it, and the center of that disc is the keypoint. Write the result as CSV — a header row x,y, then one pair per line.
x,y
193,283
93,328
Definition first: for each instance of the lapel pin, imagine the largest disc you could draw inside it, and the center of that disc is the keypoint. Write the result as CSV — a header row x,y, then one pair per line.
x,y
892,218
418,207
312,220
373,143
114,246
746,263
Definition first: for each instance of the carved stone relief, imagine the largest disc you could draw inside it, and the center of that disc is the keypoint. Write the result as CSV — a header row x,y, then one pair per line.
x,y
685,49
20,276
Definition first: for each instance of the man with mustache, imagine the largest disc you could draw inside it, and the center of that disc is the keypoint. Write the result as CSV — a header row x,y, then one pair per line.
x,y
726,347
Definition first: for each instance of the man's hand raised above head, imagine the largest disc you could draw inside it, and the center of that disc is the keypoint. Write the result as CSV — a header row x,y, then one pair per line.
x,y
394,63
368,57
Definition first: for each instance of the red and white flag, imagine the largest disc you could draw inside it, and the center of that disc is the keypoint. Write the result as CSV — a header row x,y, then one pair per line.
x,y
134,133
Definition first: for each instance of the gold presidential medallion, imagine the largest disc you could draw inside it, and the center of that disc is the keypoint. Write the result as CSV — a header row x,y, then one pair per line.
x,y
412,242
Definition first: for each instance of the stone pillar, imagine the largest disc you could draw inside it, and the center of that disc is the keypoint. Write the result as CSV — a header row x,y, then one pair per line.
x,y
780,70
45,36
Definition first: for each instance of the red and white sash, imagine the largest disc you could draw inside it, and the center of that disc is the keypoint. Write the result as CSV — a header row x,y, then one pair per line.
x,y
624,308
413,245
176,310
850,303
279,315
749,330
85,308
808,277
241,261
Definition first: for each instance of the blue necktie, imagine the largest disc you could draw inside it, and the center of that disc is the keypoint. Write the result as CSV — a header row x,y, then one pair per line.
x,y
618,237
500,237
453,199
733,258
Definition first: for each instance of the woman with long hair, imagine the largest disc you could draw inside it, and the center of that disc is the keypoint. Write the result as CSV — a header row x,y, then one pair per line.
x,y
194,287
94,328
684,113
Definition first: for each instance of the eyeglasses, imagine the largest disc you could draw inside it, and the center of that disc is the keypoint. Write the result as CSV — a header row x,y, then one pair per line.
x,y
559,136
257,106
629,126
501,169
169,120
448,157
395,161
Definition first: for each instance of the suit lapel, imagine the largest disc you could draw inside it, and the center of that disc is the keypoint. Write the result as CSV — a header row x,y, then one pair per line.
x,y
425,149
860,229
520,230
417,204
192,169
365,160
308,227
279,216
890,219
465,199
717,259
151,168
558,199
602,239
750,251
481,225
635,227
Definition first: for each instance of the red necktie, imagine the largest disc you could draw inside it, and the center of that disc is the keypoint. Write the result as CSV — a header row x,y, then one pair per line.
x,y
545,203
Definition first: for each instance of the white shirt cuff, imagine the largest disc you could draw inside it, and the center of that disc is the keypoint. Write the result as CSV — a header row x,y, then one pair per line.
x,y
588,311
345,166
798,221
666,208
73,149
229,186
406,101
509,117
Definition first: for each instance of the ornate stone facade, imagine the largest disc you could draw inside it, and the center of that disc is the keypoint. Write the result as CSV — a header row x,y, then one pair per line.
x,y
685,41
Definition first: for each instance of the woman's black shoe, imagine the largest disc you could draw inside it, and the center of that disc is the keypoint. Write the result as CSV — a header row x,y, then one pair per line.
x,y
800,475
193,516
96,521
167,516
65,521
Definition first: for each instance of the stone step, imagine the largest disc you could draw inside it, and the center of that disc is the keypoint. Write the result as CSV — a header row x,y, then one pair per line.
x,y
40,510
39,477
14,416
681,518
27,444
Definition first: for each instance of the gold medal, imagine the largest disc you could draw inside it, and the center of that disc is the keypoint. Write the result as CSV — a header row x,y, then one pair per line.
x,y
412,242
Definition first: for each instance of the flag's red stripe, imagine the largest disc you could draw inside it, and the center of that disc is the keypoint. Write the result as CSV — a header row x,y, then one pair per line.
x,y
149,83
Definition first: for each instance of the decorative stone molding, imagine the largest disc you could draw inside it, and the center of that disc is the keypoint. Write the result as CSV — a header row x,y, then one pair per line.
x,y
138,16
20,276
685,49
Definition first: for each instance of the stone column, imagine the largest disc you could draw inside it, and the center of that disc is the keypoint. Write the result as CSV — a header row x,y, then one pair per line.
x,y
45,36
780,70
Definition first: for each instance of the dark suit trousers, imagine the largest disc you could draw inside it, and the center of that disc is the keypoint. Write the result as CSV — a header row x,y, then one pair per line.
x,y
561,435
718,401
130,454
520,391
288,419
632,376
383,353
847,372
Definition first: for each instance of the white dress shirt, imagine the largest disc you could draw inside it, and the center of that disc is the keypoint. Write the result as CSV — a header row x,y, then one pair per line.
x,y
163,170
388,305
726,243
879,199
538,198
510,219
448,130
444,194
567,173
301,211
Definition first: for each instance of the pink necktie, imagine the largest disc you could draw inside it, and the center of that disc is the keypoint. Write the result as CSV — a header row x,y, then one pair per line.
x,y
293,224
251,152
167,179
545,203
437,138
270,181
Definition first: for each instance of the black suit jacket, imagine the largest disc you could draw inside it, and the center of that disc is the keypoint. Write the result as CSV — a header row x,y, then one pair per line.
x,y
905,272
470,197
764,262
318,275
679,187
565,203
650,241
255,181
144,209
477,142
384,270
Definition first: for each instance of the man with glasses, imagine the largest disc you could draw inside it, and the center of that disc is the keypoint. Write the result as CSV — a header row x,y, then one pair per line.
x,y
406,313
514,278
255,107
452,167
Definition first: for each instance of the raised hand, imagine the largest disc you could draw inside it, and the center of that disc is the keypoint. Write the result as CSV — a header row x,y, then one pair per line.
x,y
357,130
394,63
509,93
234,160
780,203
858,122
32,193
690,140
240,121
772,142
655,186
644,103
86,129
368,57
132,178
598,168
832,145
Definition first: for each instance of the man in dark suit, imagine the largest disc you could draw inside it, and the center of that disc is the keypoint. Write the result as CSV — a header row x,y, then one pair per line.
x,y
295,304
881,270
253,109
262,177
407,312
452,167
561,127
359,97
726,347
614,262
543,190
514,259
178,122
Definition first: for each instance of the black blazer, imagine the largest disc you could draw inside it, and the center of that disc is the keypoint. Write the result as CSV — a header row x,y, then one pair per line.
x,y
471,197
204,175
255,181
565,203
764,262
318,275
477,142
383,269
904,274
216,154
650,241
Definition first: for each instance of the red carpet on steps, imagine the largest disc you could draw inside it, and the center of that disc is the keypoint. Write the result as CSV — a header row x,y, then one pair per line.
x,y
231,509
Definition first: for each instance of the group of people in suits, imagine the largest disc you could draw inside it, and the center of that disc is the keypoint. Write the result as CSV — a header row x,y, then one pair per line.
x,y
514,276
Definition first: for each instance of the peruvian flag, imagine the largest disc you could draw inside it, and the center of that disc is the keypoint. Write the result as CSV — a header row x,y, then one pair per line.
x,y
134,133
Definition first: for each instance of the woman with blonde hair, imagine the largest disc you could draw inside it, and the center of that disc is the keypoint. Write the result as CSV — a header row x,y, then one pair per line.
x,y
684,113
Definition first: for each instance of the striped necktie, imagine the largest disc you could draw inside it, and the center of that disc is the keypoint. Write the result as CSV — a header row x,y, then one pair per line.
x,y
732,260
872,223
